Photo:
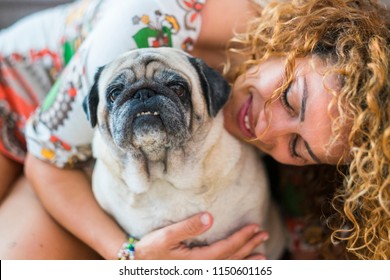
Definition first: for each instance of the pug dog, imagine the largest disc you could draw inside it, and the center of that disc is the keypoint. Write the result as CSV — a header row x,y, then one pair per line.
x,y
162,153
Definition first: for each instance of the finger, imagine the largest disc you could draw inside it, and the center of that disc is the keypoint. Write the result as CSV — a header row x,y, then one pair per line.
x,y
188,228
256,257
250,246
225,248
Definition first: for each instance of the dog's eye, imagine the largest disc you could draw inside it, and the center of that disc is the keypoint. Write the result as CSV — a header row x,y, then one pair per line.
x,y
113,95
114,92
179,89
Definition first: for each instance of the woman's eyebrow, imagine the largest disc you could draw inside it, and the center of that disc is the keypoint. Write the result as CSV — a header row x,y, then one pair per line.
x,y
310,151
303,111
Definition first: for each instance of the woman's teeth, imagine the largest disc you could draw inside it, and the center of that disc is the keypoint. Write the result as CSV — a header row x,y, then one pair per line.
x,y
246,123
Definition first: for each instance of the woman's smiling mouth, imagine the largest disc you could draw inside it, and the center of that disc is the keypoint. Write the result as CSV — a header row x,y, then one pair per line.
x,y
244,119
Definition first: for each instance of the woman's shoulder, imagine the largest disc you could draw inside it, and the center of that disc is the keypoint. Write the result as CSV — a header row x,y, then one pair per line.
x,y
220,21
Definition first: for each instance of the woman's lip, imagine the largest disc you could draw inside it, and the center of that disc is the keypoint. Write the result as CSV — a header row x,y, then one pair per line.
x,y
242,114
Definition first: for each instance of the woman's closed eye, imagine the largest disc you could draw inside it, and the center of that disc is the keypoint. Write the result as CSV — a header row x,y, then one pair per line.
x,y
301,150
293,146
284,100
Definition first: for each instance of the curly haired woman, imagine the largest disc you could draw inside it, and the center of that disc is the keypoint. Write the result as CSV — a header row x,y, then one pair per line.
x,y
310,82
348,42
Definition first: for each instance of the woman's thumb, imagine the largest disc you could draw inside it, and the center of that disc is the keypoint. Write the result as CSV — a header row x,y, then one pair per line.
x,y
192,226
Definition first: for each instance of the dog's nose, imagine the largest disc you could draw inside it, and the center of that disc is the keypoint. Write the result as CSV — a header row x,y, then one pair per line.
x,y
144,93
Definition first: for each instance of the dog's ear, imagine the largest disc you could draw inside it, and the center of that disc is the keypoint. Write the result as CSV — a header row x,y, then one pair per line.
x,y
91,101
215,88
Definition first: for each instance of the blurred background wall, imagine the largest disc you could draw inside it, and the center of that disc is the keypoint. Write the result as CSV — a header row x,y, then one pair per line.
x,y
12,10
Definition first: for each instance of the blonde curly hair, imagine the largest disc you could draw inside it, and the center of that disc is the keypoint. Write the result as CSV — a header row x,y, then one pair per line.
x,y
353,38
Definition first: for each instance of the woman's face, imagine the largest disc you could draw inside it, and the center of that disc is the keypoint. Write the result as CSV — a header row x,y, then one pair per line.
x,y
300,125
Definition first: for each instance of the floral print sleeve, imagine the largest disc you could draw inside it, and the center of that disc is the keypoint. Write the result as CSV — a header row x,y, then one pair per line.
x,y
95,33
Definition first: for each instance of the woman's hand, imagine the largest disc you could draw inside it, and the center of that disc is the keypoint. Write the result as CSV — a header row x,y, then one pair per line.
x,y
167,243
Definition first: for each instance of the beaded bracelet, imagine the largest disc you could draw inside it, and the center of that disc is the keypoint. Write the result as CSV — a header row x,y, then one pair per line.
x,y
127,251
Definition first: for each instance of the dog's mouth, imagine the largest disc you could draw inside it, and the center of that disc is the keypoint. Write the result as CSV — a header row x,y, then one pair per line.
x,y
154,125
148,113
147,118
148,126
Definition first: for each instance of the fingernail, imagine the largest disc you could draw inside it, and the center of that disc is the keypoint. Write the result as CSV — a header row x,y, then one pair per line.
x,y
205,219
256,230
265,236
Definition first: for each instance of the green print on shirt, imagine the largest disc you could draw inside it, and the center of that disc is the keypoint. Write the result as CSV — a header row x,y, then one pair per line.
x,y
51,96
157,33
147,37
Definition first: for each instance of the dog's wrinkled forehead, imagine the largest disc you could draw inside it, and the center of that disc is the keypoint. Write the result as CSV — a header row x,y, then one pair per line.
x,y
168,67
148,64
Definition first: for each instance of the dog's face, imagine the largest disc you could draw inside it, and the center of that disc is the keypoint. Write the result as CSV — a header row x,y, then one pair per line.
x,y
153,100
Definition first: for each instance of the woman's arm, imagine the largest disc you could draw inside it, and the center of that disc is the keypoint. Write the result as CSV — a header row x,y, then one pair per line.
x,y
220,21
10,170
67,196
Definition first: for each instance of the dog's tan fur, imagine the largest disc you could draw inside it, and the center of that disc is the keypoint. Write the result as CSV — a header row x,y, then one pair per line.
x,y
203,168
